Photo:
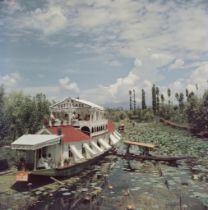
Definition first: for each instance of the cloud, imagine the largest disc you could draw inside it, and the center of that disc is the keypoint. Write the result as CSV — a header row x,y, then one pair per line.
x,y
48,21
92,18
149,35
114,63
161,59
115,93
135,25
118,92
137,62
66,84
12,6
177,64
10,80
52,92
197,77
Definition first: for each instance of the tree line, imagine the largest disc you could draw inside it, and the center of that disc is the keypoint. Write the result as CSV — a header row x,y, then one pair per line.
x,y
189,108
21,113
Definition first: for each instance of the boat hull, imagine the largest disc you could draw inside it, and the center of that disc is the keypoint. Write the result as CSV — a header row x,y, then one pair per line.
x,y
70,170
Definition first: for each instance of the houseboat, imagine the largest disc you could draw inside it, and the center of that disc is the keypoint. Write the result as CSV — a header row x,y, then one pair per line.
x,y
76,135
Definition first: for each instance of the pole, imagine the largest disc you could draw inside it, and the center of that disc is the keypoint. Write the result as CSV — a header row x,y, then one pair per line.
x,y
35,161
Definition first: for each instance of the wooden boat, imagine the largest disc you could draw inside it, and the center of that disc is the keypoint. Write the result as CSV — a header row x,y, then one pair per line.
x,y
145,155
76,135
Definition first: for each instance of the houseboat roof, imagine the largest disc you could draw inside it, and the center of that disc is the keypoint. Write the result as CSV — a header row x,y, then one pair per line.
x,y
69,133
89,103
35,141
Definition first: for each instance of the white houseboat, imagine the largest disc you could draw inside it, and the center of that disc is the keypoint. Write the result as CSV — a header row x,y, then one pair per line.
x,y
76,135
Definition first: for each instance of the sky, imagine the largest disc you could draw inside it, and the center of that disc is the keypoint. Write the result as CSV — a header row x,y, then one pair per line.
x,y
98,50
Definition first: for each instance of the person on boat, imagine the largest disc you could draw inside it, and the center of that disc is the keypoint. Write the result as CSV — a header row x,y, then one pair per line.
x,y
50,161
73,115
71,157
42,162
22,165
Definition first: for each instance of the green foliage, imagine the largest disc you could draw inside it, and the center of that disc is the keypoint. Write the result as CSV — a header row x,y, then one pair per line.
x,y
170,140
143,100
166,112
134,101
145,115
197,112
130,99
181,101
187,93
162,98
22,114
154,105
116,114
169,94
4,122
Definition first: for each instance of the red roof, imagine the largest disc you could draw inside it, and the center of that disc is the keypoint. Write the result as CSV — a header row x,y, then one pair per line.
x,y
70,134
111,126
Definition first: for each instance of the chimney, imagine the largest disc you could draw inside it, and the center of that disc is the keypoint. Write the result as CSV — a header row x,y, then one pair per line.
x,y
59,131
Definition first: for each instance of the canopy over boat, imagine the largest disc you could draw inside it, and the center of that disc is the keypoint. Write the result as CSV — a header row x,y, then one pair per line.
x,y
104,143
34,141
114,140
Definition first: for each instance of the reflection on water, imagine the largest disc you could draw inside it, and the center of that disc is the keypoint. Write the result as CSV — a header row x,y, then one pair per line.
x,y
119,184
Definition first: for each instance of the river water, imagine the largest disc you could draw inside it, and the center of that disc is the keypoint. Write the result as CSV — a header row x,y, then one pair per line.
x,y
115,183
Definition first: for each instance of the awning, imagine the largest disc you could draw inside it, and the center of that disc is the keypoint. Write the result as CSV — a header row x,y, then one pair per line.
x,y
35,141
89,150
78,157
95,147
113,139
117,136
117,133
104,144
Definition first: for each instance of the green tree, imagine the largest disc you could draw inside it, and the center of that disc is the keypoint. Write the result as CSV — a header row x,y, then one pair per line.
x,y
191,94
187,94
181,101
177,97
26,113
134,101
205,110
130,100
41,108
169,95
193,113
154,105
143,100
162,98
15,110
157,92
4,122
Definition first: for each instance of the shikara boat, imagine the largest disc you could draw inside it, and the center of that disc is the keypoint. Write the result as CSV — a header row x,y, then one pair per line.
x,y
75,136
146,155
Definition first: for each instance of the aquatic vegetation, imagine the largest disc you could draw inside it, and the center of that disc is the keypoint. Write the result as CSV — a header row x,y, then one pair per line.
x,y
169,140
